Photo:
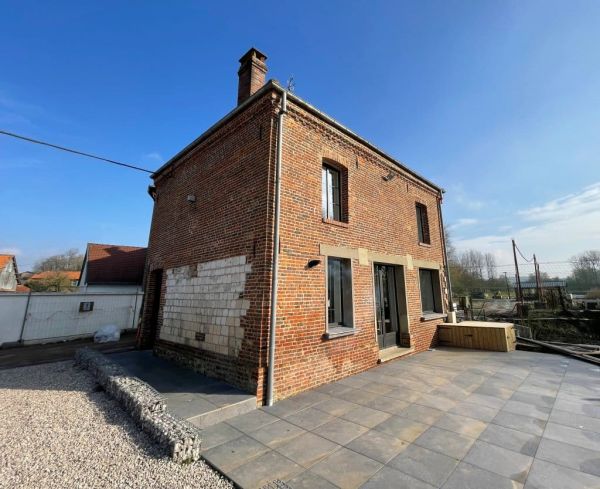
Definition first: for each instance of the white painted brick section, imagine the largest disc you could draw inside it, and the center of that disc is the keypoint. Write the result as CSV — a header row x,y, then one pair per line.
x,y
207,298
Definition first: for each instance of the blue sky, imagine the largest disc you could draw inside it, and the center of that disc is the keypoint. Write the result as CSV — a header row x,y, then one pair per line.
x,y
496,101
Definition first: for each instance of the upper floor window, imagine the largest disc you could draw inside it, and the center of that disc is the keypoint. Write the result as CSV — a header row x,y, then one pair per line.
x,y
423,224
331,196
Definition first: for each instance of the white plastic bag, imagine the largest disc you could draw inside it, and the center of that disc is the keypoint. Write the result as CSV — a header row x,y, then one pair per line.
x,y
107,333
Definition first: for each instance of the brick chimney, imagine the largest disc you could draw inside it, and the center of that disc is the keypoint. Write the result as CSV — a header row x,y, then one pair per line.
x,y
251,74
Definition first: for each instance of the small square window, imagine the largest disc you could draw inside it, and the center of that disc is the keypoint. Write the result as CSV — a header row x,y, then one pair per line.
x,y
86,306
339,293
431,296
423,224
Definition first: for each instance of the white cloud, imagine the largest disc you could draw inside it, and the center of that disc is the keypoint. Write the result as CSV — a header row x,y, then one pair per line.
x,y
463,222
568,207
155,156
465,199
556,230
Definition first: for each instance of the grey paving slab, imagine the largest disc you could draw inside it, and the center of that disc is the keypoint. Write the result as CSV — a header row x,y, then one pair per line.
x,y
423,414
485,400
476,411
307,449
462,425
487,389
310,480
265,468
499,460
445,442
573,436
340,431
546,475
578,407
571,456
437,402
403,428
218,434
389,404
387,478
467,476
404,394
346,469
309,418
527,409
378,446
234,453
514,440
535,399
366,416
426,465
252,421
377,387
277,433
574,420
335,407
358,396
519,422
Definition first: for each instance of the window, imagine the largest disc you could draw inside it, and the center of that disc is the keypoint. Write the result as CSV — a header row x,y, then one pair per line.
x,y
86,306
431,297
332,202
423,224
339,293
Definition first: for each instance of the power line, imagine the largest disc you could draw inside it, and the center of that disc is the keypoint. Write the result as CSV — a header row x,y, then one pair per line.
x,y
74,151
522,256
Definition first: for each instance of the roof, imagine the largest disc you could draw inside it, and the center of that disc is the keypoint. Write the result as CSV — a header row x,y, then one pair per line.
x,y
71,275
114,264
273,84
22,288
4,259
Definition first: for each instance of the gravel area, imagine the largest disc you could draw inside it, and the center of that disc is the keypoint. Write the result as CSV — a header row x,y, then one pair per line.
x,y
58,429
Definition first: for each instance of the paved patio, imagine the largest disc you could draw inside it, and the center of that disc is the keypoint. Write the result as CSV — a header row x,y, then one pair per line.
x,y
450,418
201,400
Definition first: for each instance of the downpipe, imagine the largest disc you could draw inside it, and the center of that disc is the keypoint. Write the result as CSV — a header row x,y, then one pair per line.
x,y
451,313
275,273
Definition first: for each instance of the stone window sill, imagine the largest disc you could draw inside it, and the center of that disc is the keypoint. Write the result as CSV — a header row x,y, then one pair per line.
x,y
338,332
425,245
433,315
333,222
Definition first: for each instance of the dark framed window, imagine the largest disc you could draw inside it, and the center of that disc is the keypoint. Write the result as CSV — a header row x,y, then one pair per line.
x,y
339,293
86,306
423,224
332,193
431,296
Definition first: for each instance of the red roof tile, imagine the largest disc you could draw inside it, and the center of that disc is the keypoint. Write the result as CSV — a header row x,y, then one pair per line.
x,y
51,274
4,259
115,264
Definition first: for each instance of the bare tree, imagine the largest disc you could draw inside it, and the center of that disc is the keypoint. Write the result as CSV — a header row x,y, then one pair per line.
x,y
490,266
69,260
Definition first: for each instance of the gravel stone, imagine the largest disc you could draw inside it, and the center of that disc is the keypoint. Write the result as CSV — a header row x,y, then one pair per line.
x,y
59,429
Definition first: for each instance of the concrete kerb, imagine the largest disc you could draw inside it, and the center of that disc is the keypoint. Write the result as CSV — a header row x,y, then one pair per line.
x,y
144,404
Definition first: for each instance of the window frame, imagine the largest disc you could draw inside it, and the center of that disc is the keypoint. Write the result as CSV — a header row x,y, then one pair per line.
x,y
346,326
328,189
423,231
436,291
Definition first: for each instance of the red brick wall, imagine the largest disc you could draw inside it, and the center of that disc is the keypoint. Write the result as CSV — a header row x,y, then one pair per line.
x,y
229,173
382,219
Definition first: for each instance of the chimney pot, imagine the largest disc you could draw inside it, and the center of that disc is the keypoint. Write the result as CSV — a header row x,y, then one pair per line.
x,y
252,74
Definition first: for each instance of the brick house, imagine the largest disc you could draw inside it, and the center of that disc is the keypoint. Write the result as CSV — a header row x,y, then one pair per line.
x,y
360,257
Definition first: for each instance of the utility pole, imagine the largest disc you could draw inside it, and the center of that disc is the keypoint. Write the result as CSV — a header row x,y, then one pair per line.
x,y
517,276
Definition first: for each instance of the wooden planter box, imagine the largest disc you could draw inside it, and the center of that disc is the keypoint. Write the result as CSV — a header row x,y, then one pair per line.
x,y
479,335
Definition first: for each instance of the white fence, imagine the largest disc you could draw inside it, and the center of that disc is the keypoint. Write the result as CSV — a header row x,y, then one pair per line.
x,y
46,317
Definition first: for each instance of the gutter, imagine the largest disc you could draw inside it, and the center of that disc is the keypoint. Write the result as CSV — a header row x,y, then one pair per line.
x,y
275,271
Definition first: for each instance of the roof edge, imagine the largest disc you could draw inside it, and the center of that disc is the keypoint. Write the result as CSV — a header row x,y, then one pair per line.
x,y
273,84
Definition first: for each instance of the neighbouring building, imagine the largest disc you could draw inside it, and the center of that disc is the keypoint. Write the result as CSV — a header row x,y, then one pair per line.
x,y
8,273
54,281
112,268
361,248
